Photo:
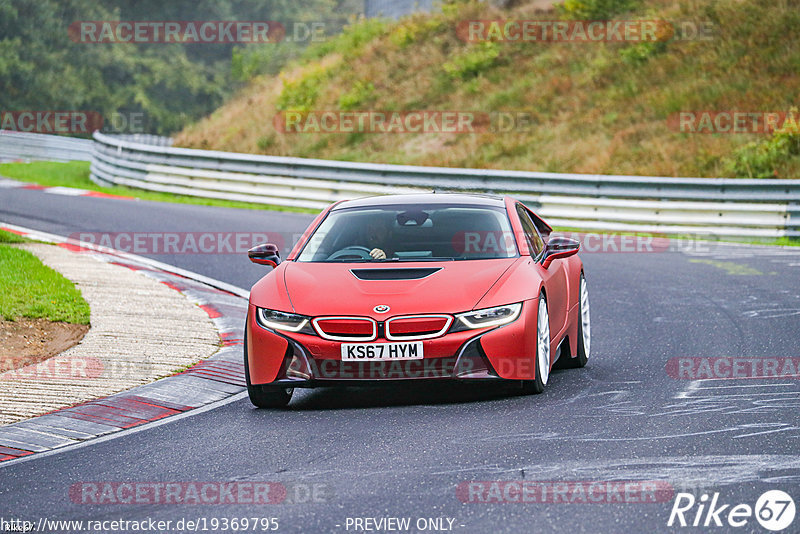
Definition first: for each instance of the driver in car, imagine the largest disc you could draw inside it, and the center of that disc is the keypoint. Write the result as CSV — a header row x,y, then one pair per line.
x,y
377,238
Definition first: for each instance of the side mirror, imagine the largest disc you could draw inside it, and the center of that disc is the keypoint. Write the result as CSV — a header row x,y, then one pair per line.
x,y
559,247
266,254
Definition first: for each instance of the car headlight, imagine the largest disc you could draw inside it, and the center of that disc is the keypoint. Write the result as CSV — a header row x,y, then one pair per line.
x,y
278,320
499,315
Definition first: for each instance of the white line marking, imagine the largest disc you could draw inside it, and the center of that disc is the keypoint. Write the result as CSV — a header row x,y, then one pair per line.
x,y
747,386
729,395
66,191
765,432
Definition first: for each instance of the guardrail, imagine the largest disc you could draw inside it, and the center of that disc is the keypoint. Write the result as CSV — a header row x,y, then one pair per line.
x,y
147,139
719,206
34,146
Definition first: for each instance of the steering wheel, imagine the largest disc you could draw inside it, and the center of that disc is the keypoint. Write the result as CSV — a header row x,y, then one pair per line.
x,y
353,251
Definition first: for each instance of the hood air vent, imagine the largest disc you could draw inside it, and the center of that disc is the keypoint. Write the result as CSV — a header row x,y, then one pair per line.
x,y
394,274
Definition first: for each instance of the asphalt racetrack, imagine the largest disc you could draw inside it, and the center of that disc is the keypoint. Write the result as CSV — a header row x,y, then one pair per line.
x,y
412,451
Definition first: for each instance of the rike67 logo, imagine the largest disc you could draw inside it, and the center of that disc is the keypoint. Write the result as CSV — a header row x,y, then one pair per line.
x,y
774,510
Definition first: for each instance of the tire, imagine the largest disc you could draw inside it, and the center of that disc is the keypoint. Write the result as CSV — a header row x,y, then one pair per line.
x,y
542,357
269,396
264,396
584,329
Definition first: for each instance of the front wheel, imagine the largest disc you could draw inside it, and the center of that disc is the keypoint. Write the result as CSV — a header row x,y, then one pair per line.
x,y
542,360
269,396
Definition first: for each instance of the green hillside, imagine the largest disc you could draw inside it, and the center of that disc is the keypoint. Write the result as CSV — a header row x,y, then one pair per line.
x,y
584,107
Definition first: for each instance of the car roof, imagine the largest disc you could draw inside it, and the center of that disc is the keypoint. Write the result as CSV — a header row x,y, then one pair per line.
x,y
472,199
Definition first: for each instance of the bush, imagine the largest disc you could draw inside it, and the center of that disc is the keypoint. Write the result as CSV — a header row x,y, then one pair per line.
x,y
641,52
301,94
474,61
362,93
595,9
348,43
763,159
415,29
249,62
264,143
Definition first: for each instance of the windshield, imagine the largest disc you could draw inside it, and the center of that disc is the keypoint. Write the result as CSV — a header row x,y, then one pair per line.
x,y
412,233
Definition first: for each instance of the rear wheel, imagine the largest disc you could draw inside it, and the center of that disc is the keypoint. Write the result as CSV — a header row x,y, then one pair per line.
x,y
542,359
265,396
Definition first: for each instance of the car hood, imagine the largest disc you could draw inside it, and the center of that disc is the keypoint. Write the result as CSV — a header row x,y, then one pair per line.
x,y
333,289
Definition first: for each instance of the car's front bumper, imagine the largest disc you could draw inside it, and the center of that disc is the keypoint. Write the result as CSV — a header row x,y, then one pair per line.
x,y
302,360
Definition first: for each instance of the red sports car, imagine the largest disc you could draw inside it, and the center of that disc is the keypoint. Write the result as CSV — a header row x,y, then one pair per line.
x,y
416,287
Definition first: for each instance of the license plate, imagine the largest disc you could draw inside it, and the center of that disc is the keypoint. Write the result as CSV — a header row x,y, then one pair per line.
x,y
363,352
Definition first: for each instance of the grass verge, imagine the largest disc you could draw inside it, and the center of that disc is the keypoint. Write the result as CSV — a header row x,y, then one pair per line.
x,y
8,237
76,174
28,288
